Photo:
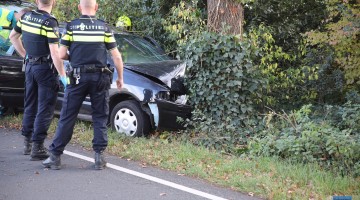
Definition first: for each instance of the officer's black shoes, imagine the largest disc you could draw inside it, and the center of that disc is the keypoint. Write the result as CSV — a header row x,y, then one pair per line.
x,y
100,162
27,146
38,152
52,162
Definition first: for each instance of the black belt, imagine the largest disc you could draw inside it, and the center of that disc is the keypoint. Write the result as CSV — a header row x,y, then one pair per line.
x,y
39,60
93,69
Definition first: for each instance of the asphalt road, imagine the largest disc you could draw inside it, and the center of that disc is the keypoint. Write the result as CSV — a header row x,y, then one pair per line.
x,y
22,179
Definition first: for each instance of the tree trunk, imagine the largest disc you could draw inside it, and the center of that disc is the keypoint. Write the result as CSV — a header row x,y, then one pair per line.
x,y
229,12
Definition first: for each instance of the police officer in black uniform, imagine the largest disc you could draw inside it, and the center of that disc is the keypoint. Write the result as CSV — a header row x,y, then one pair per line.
x,y
88,40
39,47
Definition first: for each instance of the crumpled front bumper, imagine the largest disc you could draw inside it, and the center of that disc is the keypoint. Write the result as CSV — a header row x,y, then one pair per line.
x,y
166,114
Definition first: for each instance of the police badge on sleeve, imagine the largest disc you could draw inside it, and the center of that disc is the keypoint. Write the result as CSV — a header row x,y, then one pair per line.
x,y
56,31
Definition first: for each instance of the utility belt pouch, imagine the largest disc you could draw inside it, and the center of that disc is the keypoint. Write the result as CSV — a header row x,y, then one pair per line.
x,y
23,65
69,70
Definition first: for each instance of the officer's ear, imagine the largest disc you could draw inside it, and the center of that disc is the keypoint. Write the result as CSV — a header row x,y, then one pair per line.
x,y
79,7
96,6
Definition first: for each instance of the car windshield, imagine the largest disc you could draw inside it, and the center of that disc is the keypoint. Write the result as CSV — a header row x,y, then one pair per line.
x,y
137,50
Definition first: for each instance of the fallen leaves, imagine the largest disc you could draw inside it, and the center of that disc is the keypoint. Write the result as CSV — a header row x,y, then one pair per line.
x,y
248,174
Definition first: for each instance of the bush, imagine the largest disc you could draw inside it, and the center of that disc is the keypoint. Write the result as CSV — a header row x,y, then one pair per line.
x,y
332,141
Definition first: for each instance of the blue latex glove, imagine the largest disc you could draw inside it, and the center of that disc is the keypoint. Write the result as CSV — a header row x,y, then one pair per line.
x,y
63,81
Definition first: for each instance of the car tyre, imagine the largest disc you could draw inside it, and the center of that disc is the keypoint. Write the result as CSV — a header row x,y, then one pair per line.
x,y
128,118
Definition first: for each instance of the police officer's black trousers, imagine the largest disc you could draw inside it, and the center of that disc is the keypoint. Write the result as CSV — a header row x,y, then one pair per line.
x,y
41,87
74,97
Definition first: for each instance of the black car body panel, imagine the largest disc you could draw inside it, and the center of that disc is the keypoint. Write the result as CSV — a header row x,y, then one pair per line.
x,y
11,82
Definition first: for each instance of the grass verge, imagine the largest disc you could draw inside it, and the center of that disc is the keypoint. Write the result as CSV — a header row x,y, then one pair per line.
x,y
269,178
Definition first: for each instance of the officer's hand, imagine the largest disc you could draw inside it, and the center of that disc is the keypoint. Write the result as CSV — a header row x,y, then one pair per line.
x,y
119,83
63,81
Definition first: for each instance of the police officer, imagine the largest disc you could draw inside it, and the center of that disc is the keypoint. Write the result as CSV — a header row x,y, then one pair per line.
x,y
87,40
9,18
124,23
39,47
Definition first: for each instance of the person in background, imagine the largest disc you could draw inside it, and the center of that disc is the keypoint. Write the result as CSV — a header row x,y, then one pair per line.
x,y
8,20
124,23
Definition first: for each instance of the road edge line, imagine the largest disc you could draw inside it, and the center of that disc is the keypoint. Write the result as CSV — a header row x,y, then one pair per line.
x,y
148,177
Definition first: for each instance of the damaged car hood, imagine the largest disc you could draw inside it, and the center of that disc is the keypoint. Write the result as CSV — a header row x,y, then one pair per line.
x,y
165,71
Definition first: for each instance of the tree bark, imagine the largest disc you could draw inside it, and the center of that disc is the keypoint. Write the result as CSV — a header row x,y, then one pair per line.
x,y
226,12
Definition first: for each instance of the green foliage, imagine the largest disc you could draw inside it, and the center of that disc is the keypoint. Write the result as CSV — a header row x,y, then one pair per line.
x,y
226,77
341,33
286,20
222,136
224,82
66,10
330,87
333,141
183,22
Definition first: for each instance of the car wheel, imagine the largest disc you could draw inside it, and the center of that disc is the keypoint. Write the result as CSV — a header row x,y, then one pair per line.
x,y
128,118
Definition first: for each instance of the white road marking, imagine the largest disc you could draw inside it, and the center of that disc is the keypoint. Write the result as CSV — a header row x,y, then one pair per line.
x,y
148,177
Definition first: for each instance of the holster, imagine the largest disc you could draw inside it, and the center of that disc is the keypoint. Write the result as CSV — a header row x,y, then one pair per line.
x,y
69,70
104,82
105,79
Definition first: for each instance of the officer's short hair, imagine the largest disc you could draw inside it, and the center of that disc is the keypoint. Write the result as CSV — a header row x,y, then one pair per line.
x,y
46,2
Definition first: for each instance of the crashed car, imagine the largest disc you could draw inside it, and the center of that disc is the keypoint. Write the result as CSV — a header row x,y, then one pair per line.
x,y
153,96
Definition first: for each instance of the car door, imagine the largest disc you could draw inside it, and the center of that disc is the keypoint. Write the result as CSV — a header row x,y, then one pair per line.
x,y
11,76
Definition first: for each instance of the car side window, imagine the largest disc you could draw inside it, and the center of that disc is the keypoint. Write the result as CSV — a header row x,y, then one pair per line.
x,y
6,48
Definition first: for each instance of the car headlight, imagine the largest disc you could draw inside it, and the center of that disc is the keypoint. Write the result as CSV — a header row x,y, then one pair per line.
x,y
167,96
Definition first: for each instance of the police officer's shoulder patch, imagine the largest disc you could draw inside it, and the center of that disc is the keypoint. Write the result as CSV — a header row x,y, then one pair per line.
x,y
27,16
56,31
